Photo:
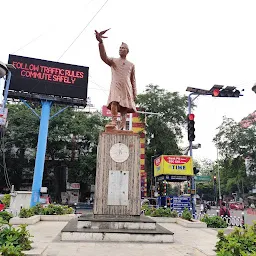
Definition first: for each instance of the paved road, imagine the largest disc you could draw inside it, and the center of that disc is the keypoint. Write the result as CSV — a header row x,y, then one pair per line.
x,y
237,213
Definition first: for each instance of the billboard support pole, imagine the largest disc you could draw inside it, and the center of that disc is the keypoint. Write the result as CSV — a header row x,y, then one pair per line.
x,y
7,86
41,150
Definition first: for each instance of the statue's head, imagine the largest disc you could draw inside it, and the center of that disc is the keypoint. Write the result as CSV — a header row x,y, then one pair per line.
x,y
123,50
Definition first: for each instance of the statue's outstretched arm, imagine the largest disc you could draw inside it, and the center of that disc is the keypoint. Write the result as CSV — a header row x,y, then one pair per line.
x,y
103,55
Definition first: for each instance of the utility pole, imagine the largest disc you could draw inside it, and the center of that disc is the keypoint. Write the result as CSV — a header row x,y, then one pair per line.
x,y
218,170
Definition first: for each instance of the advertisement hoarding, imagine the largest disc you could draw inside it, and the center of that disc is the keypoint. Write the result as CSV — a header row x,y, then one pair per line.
x,y
173,165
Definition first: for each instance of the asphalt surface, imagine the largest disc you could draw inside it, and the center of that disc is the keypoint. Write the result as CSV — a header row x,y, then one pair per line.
x,y
249,218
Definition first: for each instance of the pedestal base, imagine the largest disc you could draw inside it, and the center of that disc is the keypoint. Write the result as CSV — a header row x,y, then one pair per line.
x,y
115,229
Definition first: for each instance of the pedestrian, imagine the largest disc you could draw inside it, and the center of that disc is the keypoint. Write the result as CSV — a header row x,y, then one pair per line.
x,y
224,211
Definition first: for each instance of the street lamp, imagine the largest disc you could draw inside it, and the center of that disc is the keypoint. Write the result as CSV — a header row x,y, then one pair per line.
x,y
5,68
254,88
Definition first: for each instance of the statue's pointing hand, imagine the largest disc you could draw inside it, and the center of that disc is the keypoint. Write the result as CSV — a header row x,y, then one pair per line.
x,y
100,35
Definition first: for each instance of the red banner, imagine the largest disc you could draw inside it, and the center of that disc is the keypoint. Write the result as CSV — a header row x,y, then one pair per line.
x,y
176,160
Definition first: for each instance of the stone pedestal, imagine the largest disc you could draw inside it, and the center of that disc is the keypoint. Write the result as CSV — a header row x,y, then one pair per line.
x,y
117,189
116,214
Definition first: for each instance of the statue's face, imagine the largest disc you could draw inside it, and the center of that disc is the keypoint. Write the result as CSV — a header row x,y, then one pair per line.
x,y
123,51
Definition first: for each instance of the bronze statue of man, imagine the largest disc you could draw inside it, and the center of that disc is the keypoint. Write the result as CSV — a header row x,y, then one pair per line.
x,y
123,90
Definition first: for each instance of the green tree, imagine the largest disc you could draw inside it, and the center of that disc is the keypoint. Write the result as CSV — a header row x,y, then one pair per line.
x,y
235,143
72,143
163,129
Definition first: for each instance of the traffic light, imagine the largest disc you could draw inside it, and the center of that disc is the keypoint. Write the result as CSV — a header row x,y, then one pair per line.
x,y
196,171
191,127
229,91
214,179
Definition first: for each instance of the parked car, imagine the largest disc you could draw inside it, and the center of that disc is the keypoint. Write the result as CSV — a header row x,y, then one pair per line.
x,y
236,206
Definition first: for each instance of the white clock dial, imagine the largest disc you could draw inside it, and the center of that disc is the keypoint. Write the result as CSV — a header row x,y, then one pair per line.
x,y
119,152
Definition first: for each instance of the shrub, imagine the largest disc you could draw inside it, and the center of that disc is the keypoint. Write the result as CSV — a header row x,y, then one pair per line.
x,y
6,215
14,240
37,209
147,210
52,209
6,200
186,215
164,212
214,222
239,242
26,213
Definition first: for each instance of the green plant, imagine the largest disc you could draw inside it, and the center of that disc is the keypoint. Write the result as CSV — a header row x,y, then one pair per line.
x,y
186,215
240,242
11,250
37,209
14,240
26,213
6,200
52,209
147,210
6,215
214,222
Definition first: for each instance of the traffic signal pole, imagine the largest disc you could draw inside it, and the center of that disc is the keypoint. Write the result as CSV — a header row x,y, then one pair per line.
x,y
193,184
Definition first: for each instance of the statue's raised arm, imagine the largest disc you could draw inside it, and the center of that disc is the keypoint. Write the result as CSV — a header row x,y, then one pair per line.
x,y
103,55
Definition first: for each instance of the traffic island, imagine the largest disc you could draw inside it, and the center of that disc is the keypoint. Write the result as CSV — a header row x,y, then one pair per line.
x,y
191,224
164,219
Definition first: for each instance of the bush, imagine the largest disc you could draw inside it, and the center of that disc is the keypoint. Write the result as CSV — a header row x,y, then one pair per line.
x,y
14,240
159,212
37,209
26,213
186,215
147,210
214,222
164,212
6,200
241,242
52,209
6,216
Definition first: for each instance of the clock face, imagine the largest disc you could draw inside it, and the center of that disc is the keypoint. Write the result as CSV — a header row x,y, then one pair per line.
x,y
119,152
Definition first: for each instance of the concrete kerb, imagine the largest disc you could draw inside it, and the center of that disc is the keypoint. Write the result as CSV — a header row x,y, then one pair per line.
x,y
199,252
180,221
36,218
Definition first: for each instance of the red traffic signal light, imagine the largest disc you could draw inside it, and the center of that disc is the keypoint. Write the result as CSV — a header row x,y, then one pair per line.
x,y
214,177
191,117
215,92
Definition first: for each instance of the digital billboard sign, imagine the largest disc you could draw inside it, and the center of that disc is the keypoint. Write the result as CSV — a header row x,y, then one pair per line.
x,y
49,78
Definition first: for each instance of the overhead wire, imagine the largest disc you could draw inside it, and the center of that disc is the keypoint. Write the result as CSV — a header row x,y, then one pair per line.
x,y
30,42
36,38
83,30
76,38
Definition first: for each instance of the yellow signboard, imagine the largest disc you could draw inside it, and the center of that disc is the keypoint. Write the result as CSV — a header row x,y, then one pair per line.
x,y
173,165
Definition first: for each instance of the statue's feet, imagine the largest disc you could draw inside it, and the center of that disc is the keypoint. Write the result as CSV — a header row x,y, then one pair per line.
x,y
111,126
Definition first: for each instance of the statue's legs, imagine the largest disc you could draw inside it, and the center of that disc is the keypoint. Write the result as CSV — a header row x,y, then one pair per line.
x,y
114,113
123,119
